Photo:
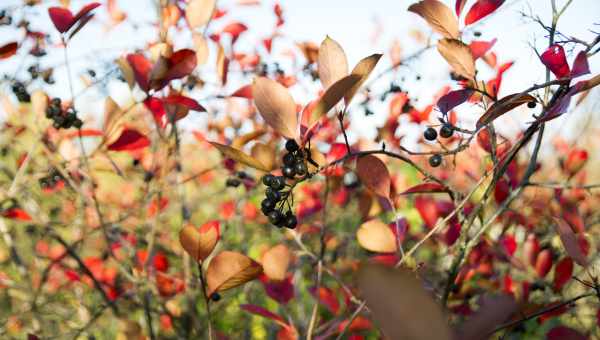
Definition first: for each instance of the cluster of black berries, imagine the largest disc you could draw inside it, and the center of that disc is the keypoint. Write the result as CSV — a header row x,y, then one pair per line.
x,y
446,131
235,181
62,119
276,200
20,91
51,179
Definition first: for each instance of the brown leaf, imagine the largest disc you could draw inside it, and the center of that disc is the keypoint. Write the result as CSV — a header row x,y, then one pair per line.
x,y
239,141
374,175
199,12
239,156
276,261
400,305
363,70
503,106
126,71
493,311
376,236
198,244
459,56
230,269
8,50
276,106
332,96
423,188
332,63
112,111
569,241
439,17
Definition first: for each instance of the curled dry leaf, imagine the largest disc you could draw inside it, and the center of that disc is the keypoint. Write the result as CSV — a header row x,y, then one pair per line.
x,y
199,12
439,17
332,96
229,269
363,69
276,106
503,106
492,312
376,236
569,241
400,305
276,261
332,63
199,243
374,175
239,156
459,57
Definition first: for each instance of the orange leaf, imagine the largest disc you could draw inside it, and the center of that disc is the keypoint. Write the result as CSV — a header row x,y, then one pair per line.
x,y
230,269
363,70
376,236
199,12
8,50
198,243
332,63
439,17
374,175
459,56
276,261
332,96
239,156
276,106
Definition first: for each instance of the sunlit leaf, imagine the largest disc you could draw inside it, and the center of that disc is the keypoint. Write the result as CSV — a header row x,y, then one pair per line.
x,y
423,188
374,174
459,57
332,96
199,244
362,69
376,236
439,17
503,106
201,46
239,156
555,60
230,269
276,261
199,12
569,241
481,9
332,63
276,106
265,154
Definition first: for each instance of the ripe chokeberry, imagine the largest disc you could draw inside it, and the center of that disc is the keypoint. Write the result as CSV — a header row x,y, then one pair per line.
x,y
215,297
446,131
288,171
267,205
291,145
273,195
275,217
531,105
268,179
233,182
290,220
277,183
430,134
300,169
435,160
289,159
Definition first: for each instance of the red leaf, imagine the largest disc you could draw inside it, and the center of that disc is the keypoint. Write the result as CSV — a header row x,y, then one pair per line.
x,y
480,48
510,244
458,6
16,214
141,69
155,105
188,102
243,92
562,273
62,18
564,333
328,298
543,263
85,10
8,50
280,291
258,310
85,133
481,9
555,60
129,140
235,29
452,99
430,187
580,65
181,64
569,241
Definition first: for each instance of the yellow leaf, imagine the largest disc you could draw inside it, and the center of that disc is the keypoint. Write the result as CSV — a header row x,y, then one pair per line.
x,y
201,46
376,236
439,17
265,154
459,56
276,261
126,71
400,305
276,106
332,63
199,12
239,156
363,70
198,244
230,269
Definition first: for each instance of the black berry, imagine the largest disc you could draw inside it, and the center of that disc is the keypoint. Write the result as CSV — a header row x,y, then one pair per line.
x,y
300,169
531,105
288,171
446,131
273,195
277,183
291,145
291,221
268,179
289,159
233,182
275,217
430,134
435,160
215,297
267,205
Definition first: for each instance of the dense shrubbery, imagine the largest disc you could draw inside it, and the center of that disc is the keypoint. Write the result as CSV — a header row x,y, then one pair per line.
x,y
276,220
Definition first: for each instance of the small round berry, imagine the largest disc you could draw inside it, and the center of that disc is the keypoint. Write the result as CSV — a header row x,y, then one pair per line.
x,y
268,179
278,183
300,168
430,134
215,297
291,145
148,175
275,217
531,105
289,159
233,182
267,205
78,123
291,221
55,102
288,171
446,131
273,195
435,160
